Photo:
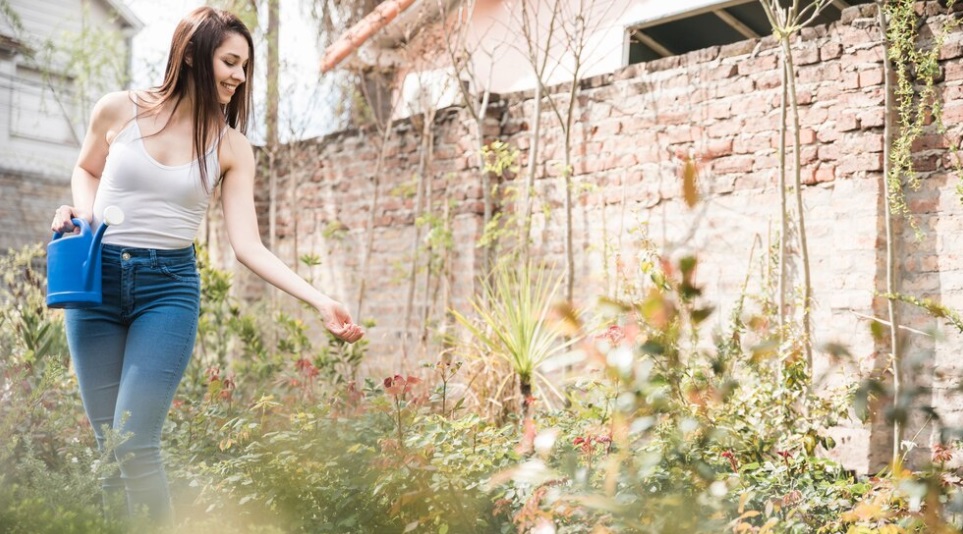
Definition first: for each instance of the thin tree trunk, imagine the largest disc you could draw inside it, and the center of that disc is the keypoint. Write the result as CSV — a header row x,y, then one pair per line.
x,y
891,275
800,208
426,312
567,174
525,229
783,207
426,146
446,279
273,72
271,126
369,238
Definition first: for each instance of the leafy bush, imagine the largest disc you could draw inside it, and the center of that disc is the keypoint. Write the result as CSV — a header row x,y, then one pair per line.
x,y
270,432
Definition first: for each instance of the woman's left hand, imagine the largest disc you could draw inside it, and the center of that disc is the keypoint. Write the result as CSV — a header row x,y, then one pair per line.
x,y
338,321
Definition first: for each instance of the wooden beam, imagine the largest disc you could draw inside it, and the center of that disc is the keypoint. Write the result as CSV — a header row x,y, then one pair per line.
x,y
733,22
360,32
656,46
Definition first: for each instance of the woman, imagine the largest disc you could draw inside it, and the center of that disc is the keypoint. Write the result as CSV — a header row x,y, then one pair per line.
x,y
158,154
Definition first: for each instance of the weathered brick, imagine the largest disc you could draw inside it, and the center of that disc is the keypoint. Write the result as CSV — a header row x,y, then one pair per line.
x,y
930,142
722,72
718,148
825,173
719,110
872,118
849,80
828,152
806,56
819,72
807,154
827,134
926,163
953,113
953,71
732,164
870,77
725,128
847,122
758,64
853,163
831,50
951,51
740,48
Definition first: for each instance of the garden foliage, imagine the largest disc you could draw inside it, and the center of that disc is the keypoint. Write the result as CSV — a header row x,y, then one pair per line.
x,y
665,429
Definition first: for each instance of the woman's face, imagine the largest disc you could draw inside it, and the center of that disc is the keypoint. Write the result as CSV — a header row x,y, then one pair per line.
x,y
230,59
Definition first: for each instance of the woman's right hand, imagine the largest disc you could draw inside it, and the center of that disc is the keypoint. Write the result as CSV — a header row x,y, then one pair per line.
x,y
62,219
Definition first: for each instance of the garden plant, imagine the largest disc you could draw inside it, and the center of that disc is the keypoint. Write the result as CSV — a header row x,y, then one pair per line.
x,y
667,428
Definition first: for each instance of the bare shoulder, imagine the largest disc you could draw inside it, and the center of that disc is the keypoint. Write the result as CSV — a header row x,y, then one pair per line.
x,y
235,151
113,107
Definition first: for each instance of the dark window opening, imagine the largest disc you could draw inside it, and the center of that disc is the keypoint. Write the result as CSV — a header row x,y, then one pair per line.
x,y
714,27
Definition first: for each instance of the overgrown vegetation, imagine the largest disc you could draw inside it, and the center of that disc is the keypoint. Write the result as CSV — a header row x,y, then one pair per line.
x,y
661,431
659,423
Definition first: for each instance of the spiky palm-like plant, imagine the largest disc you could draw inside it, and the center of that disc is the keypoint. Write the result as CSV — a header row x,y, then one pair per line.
x,y
514,323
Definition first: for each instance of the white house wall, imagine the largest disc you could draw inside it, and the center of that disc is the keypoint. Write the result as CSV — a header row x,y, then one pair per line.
x,y
39,133
503,49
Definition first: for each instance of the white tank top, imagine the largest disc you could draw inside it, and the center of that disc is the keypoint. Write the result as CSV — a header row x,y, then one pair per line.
x,y
163,205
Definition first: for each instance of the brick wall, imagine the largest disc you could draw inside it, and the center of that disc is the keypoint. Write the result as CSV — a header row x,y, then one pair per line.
x,y
721,104
27,204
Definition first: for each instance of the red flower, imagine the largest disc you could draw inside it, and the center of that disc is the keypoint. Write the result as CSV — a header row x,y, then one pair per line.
x,y
942,453
227,388
353,395
306,368
614,334
732,460
213,373
398,385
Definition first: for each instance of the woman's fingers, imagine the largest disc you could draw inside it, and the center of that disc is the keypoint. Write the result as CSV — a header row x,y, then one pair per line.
x,y
349,332
62,220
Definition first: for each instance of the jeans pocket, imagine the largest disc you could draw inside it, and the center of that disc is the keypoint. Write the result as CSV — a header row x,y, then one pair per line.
x,y
180,273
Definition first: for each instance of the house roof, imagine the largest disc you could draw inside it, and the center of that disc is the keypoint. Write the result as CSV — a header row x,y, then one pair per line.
x,y
129,20
388,27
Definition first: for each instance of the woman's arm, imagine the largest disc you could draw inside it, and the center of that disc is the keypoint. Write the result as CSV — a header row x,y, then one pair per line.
x,y
104,119
240,217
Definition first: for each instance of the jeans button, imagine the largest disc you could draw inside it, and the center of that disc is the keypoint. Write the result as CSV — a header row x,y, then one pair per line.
x,y
125,256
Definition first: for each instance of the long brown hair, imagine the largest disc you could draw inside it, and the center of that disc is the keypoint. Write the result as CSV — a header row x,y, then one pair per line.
x,y
190,61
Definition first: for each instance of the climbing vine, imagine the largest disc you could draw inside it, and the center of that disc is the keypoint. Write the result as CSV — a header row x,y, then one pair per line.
x,y
917,70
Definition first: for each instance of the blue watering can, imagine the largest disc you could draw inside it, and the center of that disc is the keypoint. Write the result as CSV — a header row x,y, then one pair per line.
x,y
74,266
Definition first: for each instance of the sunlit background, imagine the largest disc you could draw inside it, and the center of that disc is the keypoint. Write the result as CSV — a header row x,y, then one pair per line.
x,y
306,102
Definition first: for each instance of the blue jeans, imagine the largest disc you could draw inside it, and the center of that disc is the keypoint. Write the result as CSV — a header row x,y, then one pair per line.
x,y
129,354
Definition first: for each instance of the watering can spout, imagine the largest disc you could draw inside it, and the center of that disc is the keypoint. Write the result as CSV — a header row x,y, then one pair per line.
x,y
112,216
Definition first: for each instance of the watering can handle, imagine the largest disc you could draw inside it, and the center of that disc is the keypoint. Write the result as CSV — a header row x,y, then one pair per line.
x,y
80,223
